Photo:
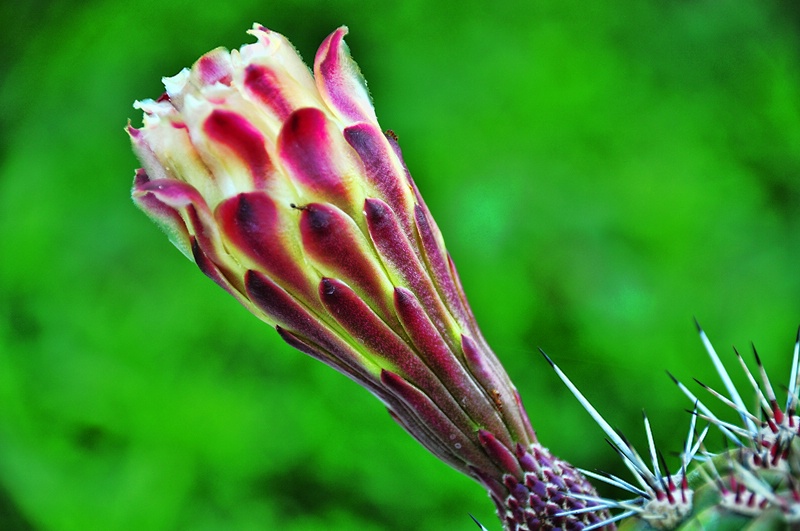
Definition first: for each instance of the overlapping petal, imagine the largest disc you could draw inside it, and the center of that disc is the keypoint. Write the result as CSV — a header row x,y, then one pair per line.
x,y
340,82
284,190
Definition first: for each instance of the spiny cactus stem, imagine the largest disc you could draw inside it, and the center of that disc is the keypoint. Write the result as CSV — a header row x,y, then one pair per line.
x,y
749,418
605,502
726,380
769,401
794,378
663,500
633,461
726,428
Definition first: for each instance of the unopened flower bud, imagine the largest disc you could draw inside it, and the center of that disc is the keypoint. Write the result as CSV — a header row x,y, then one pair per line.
x,y
284,190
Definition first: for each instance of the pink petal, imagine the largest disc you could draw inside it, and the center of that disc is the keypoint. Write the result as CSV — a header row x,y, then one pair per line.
x,y
316,157
416,426
401,259
244,141
145,153
338,248
252,224
439,266
483,368
283,309
215,273
500,453
384,171
164,215
176,194
199,223
214,67
340,82
265,87
382,342
346,360
444,363
458,448
367,328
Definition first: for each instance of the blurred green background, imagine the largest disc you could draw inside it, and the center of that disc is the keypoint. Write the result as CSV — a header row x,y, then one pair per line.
x,y
602,172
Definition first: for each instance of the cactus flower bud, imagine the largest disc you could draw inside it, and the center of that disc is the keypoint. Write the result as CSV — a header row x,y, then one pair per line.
x,y
282,188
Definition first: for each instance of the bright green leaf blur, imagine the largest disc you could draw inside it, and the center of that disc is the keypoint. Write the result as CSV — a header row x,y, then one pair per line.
x,y
602,172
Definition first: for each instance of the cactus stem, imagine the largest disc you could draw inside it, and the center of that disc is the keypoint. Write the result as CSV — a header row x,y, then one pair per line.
x,y
614,481
664,499
633,461
752,429
726,428
755,479
726,379
772,402
794,378
606,504
766,404
651,444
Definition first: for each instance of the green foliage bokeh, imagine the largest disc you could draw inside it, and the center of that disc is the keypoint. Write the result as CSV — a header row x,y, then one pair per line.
x,y
602,172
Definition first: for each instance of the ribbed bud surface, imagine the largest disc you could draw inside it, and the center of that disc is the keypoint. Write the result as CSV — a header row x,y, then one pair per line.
x,y
284,190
